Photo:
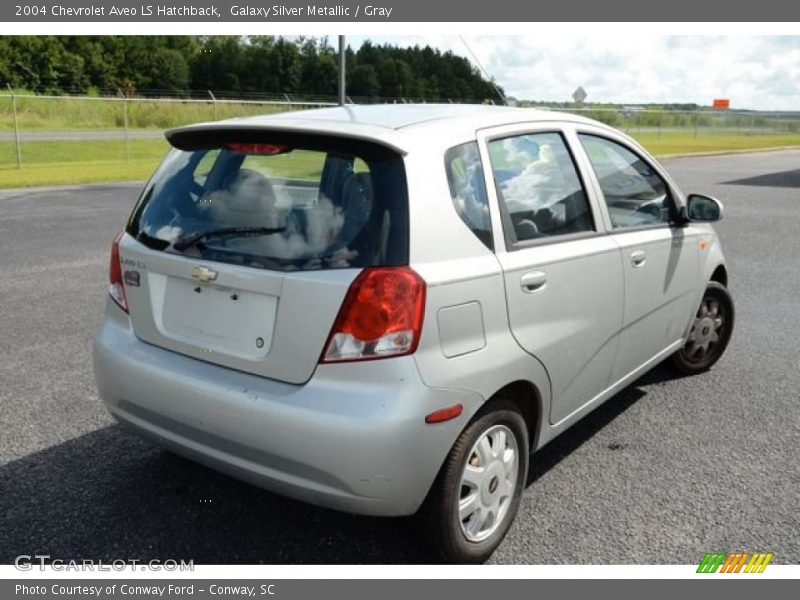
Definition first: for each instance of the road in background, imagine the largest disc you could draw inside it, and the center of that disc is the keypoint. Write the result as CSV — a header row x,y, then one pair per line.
x,y
78,136
665,471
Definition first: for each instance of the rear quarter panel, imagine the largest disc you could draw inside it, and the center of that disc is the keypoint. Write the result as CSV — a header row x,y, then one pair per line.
x,y
460,272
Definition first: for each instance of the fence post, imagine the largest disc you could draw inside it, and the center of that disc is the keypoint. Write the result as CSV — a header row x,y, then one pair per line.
x,y
16,125
696,122
214,102
125,124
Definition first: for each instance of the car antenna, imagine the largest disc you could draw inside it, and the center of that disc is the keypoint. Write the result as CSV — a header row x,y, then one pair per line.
x,y
484,71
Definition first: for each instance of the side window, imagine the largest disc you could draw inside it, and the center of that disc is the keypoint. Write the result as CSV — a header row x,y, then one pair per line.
x,y
468,190
634,193
539,187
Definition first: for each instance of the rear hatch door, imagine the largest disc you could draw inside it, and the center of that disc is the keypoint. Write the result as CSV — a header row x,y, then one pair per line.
x,y
243,245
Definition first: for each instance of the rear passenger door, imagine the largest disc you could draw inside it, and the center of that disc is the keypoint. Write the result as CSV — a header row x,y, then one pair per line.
x,y
562,273
659,255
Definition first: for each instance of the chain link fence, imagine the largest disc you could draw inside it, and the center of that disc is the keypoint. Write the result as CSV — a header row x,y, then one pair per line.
x,y
636,121
37,128
62,139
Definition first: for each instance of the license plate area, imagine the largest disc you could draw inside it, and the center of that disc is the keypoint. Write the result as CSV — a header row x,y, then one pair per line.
x,y
218,319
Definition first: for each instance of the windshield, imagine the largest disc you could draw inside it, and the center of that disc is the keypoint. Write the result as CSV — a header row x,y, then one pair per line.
x,y
300,204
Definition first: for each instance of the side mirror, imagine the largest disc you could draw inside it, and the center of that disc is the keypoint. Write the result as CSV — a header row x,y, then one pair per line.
x,y
702,209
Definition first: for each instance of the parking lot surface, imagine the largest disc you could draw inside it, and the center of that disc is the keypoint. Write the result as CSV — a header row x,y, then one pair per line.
x,y
665,471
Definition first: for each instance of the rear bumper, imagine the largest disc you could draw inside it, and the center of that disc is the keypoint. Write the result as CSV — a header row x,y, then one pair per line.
x,y
353,438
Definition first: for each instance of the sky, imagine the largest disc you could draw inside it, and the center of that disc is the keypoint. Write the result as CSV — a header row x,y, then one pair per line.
x,y
754,72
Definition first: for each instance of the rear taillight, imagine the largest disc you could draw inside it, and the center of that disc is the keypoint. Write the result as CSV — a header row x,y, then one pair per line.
x,y
116,288
381,316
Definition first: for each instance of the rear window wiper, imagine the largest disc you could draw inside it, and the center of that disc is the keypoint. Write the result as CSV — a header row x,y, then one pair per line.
x,y
183,243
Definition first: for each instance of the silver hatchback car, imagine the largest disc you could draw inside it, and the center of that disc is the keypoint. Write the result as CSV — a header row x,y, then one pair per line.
x,y
382,309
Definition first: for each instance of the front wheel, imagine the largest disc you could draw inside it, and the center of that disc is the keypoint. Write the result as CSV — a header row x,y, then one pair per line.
x,y
710,332
478,491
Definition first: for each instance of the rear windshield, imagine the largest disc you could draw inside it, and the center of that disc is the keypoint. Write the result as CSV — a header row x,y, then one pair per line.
x,y
286,202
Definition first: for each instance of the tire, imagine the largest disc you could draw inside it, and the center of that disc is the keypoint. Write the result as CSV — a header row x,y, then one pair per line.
x,y
710,332
494,492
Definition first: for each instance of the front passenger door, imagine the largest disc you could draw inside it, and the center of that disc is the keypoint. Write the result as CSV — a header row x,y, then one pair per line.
x,y
659,257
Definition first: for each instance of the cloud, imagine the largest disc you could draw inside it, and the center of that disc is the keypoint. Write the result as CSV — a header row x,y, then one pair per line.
x,y
755,72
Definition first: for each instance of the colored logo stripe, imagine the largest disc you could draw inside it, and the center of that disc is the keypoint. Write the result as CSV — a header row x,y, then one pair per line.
x,y
733,562
759,561
711,562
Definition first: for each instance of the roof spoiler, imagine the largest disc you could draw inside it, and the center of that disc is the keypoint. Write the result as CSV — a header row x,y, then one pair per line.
x,y
216,135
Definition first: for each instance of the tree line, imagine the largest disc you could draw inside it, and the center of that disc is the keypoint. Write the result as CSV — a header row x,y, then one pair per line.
x,y
236,65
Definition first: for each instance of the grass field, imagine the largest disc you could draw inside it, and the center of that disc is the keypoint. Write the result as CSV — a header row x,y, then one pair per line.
x,y
98,161
68,162
671,144
78,113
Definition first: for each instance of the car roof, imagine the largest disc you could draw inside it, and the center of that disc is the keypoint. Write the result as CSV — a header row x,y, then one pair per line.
x,y
400,116
407,116
400,126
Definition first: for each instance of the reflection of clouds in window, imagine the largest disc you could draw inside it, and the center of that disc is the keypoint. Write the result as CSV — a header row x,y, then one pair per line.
x,y
248,201
468,186
251,202
321,227
168,233
520,149
472,211
539,184
324,222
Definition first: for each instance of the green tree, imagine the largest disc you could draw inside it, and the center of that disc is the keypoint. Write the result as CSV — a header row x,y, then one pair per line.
x,y
362,80
234,65
168,71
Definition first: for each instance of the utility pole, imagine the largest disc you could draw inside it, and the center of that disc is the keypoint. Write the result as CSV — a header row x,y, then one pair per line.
x,y
342,72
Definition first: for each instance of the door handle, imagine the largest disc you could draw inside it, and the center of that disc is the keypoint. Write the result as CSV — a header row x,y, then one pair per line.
x,y
533,282
638,258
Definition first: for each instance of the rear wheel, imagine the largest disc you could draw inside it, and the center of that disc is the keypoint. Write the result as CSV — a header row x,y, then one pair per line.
x,y
478,491
710,332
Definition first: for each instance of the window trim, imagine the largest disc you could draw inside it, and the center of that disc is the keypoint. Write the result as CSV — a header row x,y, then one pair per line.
x,y
674,205
509,236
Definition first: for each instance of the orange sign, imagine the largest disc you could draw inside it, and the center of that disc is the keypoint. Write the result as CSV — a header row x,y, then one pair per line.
x,y
722,103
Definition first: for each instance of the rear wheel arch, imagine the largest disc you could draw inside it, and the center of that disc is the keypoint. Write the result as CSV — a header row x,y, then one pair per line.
x,y
720,275
526,397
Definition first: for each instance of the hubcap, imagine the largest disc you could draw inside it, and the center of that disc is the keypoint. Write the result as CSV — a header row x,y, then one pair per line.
x,y
488,483
706,331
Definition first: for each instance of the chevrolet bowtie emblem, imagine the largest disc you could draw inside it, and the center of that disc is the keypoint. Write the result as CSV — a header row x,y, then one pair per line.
x,y
204,274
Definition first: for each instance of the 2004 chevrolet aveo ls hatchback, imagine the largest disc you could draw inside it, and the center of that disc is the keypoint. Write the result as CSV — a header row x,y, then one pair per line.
x,y
382,309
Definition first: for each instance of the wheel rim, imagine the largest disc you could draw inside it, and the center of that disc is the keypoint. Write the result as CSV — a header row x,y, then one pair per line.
x,y
707,331
488,483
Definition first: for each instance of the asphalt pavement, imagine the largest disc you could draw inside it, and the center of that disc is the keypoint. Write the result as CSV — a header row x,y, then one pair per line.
x,y
92,134
665,471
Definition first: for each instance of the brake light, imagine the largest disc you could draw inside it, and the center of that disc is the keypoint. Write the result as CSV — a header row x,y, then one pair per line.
x,y
381,316
116,288
261,149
